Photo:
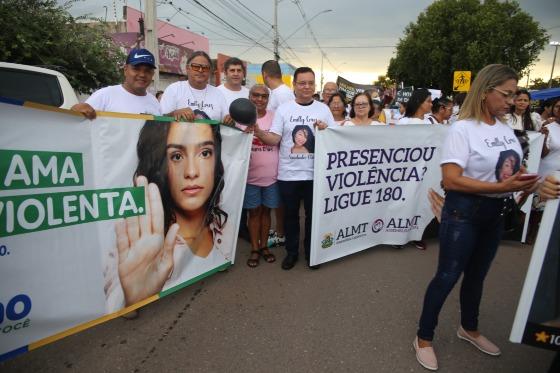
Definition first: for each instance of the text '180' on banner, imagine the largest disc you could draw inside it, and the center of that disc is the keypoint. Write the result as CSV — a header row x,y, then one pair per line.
x,y
100,217
371,187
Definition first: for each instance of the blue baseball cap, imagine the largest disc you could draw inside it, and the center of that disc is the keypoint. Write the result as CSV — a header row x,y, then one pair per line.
x,y
141,56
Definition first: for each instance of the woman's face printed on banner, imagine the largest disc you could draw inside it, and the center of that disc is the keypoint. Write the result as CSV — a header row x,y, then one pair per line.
x,y
190,162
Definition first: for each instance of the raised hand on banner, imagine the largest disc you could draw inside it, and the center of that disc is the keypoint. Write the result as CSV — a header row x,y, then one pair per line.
x,y
85,109
145,252
185,113
320,125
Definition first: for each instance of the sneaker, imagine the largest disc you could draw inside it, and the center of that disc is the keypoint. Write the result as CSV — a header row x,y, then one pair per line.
x,y
274,240
480,342
420,245
426,356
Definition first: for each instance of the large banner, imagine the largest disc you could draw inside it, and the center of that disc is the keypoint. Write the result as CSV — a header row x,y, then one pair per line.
x,y
84,238
371,185
350,89
537,320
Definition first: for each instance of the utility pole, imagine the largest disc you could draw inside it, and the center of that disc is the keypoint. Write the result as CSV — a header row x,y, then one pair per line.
x,y
275,26
321,86
151,40
556,44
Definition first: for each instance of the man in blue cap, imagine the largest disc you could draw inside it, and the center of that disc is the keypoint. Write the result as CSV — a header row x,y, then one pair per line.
x,y
129,97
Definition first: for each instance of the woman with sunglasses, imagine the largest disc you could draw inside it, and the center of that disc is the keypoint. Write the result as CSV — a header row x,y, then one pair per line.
x,y
477,183
195,98
361,111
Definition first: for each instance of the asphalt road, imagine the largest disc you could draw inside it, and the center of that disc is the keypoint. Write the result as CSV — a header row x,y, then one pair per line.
x,y
357,314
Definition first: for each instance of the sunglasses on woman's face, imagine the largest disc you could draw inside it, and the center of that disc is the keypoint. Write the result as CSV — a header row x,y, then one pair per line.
x,y
199,68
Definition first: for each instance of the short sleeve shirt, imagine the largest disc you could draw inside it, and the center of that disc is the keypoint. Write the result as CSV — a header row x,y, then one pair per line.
x,y
295,123
207,103
117,99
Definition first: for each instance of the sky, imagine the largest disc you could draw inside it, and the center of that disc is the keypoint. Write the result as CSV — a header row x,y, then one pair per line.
x,y
358,37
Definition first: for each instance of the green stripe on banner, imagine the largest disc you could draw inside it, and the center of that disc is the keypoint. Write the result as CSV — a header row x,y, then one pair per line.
x,y
37,212
194,279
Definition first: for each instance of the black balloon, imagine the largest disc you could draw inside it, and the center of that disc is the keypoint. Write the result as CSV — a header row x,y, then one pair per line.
x,y
243,112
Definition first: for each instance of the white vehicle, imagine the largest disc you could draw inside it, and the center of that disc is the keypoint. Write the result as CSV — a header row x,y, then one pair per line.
x,y
36,84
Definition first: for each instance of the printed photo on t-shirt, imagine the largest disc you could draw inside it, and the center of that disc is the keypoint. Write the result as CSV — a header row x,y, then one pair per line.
x,y
507,165
199,114
304,140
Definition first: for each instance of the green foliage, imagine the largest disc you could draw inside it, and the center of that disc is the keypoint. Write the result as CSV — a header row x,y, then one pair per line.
x,y
384,81
42,33
465,35
541,84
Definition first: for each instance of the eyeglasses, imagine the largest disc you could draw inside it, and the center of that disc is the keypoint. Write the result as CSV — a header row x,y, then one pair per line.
x,y
361,104
199,68
260,95
331,91
305,84
507,95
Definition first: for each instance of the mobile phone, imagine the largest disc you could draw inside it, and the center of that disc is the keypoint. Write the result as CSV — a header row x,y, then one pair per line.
x,y
528,176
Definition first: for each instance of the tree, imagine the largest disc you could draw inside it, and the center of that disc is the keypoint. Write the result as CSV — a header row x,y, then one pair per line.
x,y
541,84
42,33
465,35
384,81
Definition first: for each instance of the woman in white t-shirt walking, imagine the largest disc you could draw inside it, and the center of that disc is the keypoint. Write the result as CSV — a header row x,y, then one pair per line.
x,y
419,104
481,167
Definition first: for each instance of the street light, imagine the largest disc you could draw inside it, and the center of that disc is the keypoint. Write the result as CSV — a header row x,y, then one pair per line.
x,y
306,23
556,44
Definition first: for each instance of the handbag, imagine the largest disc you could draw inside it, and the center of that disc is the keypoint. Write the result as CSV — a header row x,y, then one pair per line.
x,y
513,216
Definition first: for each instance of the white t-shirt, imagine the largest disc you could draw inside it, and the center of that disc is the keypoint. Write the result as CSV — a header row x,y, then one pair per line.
x,y
278,96
515,121
349,123
407,120
209,101
551,162
295,121
231,96
485,152
117,99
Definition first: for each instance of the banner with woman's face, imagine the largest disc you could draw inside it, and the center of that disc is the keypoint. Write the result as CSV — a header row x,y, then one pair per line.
x,y
104,216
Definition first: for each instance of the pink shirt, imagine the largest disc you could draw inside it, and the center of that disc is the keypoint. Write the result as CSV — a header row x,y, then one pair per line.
x,y
263,166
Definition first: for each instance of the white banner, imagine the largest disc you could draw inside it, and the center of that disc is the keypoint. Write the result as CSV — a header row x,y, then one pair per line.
x,y
371,185
537,320
80,243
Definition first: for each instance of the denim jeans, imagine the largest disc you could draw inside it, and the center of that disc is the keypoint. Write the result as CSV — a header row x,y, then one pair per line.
x,y
292,192
470,232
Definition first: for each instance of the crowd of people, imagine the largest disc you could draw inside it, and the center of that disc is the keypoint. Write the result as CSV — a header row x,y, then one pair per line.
x,y
478,178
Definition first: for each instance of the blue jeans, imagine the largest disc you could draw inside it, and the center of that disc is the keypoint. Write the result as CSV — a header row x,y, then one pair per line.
x,y
469,235
292,193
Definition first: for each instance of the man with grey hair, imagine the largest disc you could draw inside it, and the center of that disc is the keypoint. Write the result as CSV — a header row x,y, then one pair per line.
x,y
329,89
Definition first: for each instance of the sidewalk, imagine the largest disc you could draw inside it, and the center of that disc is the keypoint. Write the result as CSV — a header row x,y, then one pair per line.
x,y
357,314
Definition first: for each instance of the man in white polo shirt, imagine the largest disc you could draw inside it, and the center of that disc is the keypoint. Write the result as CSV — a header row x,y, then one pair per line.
x,y
294,128
129,97
234,71
279,92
